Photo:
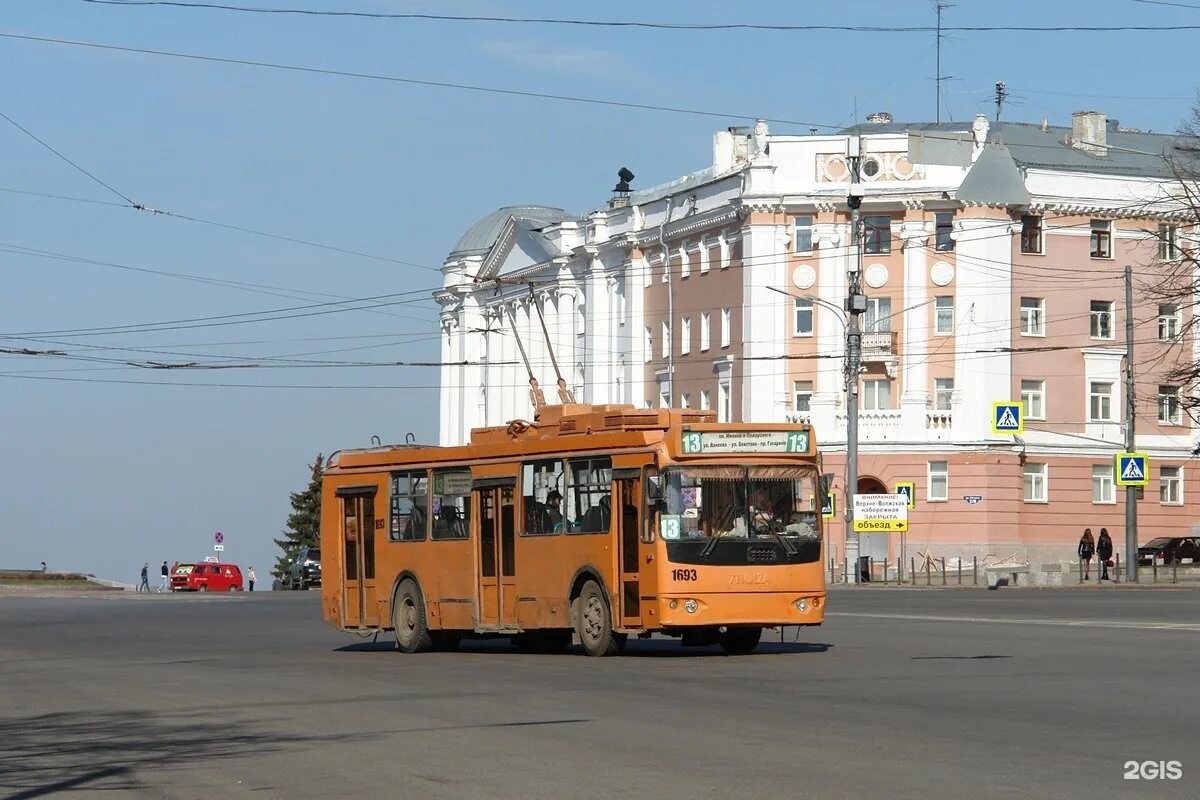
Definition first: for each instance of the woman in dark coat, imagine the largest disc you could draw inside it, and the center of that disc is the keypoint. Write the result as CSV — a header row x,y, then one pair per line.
x,y
1104,549
1087,549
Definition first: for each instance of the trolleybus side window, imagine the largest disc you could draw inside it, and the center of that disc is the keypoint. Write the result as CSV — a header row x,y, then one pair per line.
x,y
589,495
542,498
410,517
451,504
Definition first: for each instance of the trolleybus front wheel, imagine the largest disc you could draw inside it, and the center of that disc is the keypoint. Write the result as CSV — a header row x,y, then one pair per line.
x,y
593,622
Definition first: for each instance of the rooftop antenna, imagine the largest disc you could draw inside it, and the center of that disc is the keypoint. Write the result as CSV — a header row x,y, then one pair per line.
x,y
938,77
535,392
564,394
1001,96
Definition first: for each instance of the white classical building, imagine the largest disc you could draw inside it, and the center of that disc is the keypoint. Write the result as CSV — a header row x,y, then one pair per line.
x,y
992,262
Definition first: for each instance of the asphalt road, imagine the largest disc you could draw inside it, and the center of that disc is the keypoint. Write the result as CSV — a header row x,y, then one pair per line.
x,y
902,694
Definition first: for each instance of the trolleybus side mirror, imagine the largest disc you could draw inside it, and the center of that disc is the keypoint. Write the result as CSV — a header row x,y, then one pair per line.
x,y
654,488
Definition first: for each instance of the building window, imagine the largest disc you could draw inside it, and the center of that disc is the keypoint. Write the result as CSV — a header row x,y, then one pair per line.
x,y
878,318
1100,401
803,391
943,393
939,482
724,401
1035,483
1033,316
1101,238
803,236
649,344
1170,486
726,324
664,396
666,339
1169,408
1102,319
703,258
1168,322
1168,246
685,263
705,400
943,230
685,401
704,333
943,315
1102,483
804,317
877,234
685,336
1031,234
876,395
1033,399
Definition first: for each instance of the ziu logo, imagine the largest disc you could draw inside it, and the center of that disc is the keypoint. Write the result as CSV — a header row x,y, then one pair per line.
x,y
755,579
1153,770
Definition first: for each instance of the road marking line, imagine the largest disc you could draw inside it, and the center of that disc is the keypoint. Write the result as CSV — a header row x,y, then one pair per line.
x,y
1081,623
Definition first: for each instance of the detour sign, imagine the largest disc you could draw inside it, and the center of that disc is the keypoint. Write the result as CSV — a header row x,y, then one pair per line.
x,y
880,513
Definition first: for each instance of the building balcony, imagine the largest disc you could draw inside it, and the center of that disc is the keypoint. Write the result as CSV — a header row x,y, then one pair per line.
x,y
879,345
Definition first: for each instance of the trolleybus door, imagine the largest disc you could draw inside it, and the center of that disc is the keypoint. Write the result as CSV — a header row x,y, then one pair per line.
x,y
359,606
629,492
497,557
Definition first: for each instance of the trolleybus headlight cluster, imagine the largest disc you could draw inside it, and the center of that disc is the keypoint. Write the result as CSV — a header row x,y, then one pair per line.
x,y
802,604
691,606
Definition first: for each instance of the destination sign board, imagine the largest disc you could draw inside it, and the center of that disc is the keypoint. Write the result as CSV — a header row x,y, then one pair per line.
x,y
717,442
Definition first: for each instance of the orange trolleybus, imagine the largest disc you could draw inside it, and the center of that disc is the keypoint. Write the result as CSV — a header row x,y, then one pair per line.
x,y
595,521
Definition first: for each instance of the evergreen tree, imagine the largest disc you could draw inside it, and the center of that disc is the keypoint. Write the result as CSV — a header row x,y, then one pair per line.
x,y
304,523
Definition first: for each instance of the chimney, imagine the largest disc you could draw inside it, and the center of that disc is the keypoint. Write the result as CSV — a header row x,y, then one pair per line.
x,y
722,151
1089,132
879,118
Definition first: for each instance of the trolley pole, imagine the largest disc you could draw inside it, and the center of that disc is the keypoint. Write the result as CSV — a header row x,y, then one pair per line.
x,y
856,304
1131,492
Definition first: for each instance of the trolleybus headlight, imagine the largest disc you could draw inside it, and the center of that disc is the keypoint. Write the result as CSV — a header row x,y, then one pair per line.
x,y
802,605
690,606
673,604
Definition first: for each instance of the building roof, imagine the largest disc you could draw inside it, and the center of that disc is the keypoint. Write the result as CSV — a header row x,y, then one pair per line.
x,y
480,237
1130,152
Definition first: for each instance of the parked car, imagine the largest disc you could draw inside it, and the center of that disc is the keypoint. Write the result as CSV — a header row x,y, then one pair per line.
x,y
305,571
1169,550
181,571
207,577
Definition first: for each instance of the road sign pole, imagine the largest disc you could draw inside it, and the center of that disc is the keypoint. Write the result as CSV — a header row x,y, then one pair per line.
x,y
1131,520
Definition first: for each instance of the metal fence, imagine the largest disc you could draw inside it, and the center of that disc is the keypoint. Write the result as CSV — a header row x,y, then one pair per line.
x,y
928,570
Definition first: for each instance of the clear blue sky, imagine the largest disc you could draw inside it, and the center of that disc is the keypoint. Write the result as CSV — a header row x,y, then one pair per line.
x,y
105,476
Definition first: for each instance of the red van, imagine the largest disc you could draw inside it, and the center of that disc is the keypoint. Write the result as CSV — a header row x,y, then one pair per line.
x,y
207,577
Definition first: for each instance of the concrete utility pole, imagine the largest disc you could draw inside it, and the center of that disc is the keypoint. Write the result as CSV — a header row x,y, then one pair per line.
x,y
1131,492
856,304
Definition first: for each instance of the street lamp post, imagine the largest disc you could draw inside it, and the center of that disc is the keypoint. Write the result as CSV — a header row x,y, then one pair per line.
x,y
856,304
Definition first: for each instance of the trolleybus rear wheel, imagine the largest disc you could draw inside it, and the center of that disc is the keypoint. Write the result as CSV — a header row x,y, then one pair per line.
x,y
593,622
408,618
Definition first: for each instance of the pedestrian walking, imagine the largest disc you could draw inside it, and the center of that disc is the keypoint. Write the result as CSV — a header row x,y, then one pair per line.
x,y
250,576
1087,549
144,586
43,566
166,577
1104,549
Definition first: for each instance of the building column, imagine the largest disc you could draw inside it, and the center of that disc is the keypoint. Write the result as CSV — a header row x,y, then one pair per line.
x,y
599,354
637,273
449,398
914,399
471,350
831,240
765,314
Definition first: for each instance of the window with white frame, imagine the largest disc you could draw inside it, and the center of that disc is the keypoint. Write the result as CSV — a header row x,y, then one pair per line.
x,y
943,315
664,395
1170,410
666,339
1170,486
878,318
685,336
943,393
649,343
726,324
1031,234
802,394
938,488
1100,401
1168,322
803,236
685,401
705,400
685,263
1101,241
876,395
724,400
1035,483
1168,242
804,317
704,331
1102,483
1033,316
1101,319
943,223
1033,399
877,234
703,258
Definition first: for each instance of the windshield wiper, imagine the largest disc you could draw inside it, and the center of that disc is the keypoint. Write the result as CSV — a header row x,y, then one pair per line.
x,y
709,546
783,540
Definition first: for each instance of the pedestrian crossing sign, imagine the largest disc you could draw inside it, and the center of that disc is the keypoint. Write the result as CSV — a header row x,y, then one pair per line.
x,y
1007,418
907,489
1133,469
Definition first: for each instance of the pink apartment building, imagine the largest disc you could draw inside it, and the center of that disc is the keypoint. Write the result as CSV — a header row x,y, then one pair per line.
x,y
992,260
